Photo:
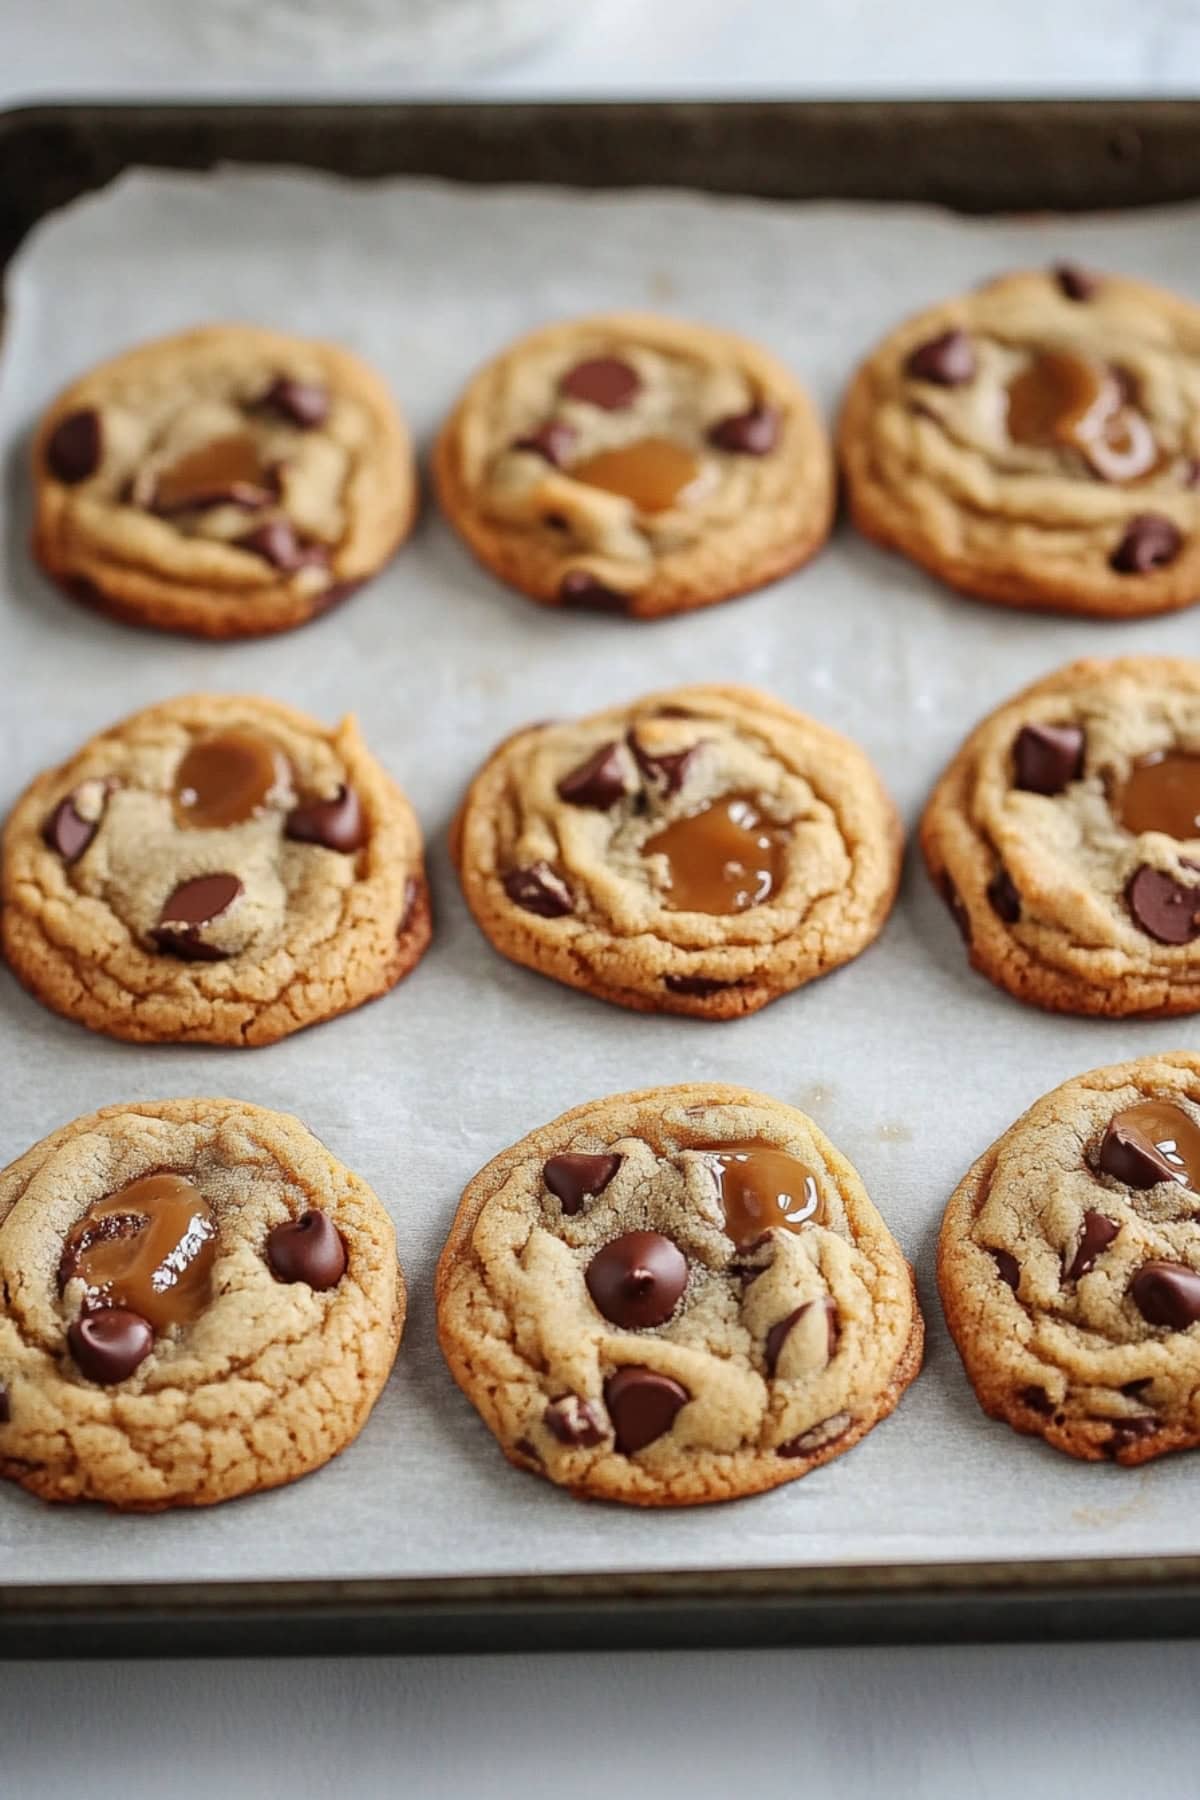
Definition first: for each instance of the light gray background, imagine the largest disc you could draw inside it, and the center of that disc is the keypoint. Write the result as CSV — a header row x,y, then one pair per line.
x,y
962,1723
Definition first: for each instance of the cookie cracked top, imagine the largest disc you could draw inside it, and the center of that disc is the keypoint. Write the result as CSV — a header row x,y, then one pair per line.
x,y
702,851
1065,835
676,1296
1037,442
196,1301
213,870
636,465
1069,1264
226,482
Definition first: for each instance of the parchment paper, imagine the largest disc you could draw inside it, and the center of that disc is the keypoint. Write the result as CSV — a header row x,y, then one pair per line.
x,y
910,1062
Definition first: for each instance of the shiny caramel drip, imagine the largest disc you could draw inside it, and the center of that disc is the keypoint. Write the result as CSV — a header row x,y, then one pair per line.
x,y
724,859
1162,793
1172,1132
653,472
150,1248
1060,401
763,1189
211,472
227,778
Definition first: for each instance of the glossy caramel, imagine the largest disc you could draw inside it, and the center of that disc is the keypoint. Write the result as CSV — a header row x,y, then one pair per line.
x,y
149,1247
763,1189
1174,1134
654,473
209,473
723,859
226,779
1162,793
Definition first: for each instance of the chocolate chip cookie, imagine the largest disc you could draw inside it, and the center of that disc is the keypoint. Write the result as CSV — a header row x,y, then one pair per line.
x,y
216,870
1069,1264
636,465
196,1301
1037,442
1065,838
676,1296
227,482
701,851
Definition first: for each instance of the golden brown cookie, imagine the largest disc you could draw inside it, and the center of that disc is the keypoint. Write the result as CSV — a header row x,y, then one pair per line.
x,y
1069,1264
701,851
634,464
1037,442
216,870
676,1296
196,1301
1064,837
227,482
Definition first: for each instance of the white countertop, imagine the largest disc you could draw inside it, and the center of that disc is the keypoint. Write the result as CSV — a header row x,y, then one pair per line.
x,y
964,1723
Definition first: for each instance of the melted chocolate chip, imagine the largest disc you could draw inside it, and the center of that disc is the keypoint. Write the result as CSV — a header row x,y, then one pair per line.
x,y
603,381
1130,1431
575,1177
948,360
667,771
539,890
1167,1293
277,543
1164,907
576,1422
193,904
1007,1267
1151,541
1037,1399
1129,1156
699,986
1003,897
778,1334
581,590
752,433
68,832
956,908
1046,758
336,824
817,1437
1098,1233
1075,283
599,782
554,441
642,1406
73,448
308,1249
636,1280
305,403
109,1344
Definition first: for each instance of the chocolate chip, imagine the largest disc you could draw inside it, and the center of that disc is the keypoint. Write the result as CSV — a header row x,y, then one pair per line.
x,y
576,1422
1037,1399
1163,906
539,890
277,543
1130,1431
109,1344
1007,1267
305,403
948,360
1098,1233
636,1279
1074,283
778,1333
666,771
701,986
579,589
1167,1293
753,433
308,1249
957,908
817,1436
5,1404
336,824
642,1406
67,832
1129,1156
575,1177
598,782
1003,896
554,441
73,448
1135,1388
1151,541
524,1447
603,381
1046,758
193,904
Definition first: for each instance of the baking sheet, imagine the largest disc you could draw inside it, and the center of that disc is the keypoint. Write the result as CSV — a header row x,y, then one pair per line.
x,y
911,1063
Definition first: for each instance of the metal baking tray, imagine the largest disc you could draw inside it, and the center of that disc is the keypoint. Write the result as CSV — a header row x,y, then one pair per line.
x,y
974,157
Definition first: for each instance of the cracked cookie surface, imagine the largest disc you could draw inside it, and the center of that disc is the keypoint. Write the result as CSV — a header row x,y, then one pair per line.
x,y
1064,836
227,482
1037,442
199,1301
1069,1264
216,869
637,465
702,850
676,1296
